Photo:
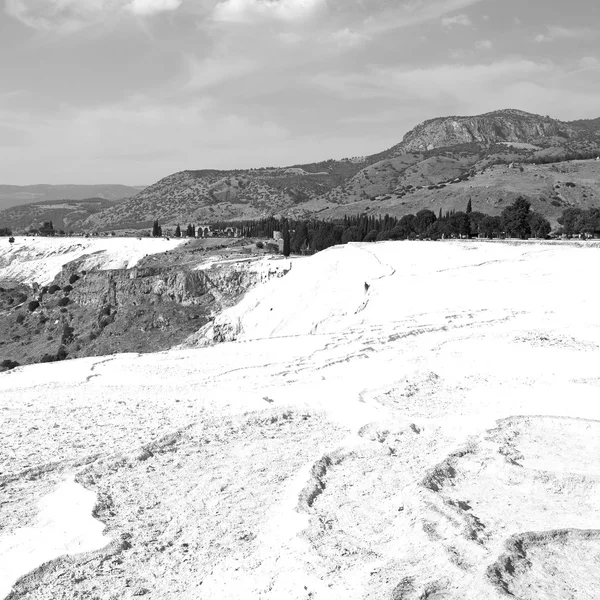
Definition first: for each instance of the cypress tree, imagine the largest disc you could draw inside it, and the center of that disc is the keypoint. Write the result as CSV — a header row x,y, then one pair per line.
x,y
286,238
469,206
178,231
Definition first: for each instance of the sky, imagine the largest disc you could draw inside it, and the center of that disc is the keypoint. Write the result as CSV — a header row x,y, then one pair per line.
x,y
130,91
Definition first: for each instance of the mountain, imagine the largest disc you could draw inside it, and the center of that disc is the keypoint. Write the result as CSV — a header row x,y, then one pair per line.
x,y
499,126
16,195
69,215
441,163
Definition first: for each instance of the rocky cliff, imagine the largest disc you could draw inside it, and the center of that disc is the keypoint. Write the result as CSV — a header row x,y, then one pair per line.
x,y
142,309
223,283
491,128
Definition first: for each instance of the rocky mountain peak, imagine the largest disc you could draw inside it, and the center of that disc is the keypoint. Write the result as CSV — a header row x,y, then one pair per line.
x,y
508,125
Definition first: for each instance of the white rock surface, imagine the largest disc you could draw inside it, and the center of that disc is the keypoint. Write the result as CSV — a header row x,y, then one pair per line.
x,y
432,436
40,259
64,525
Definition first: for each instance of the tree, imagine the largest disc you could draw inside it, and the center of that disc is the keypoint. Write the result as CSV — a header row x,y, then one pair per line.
x,y
458,224
405,228
178,231
300,238
490,226
423,220
469,207
371,236
540,227
351,234
47,229
156,230
515,219
286,238
11,240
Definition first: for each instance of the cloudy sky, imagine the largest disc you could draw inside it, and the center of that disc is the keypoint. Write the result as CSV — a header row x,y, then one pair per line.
x,y
128,91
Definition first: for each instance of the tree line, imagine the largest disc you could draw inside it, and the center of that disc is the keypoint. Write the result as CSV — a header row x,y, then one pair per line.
x,y
306,236
577,221
516,221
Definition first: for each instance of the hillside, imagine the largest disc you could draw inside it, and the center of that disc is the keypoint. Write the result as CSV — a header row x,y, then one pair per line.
x,y
549,187
67,215
434,434
81,297
16,195
207,196
439,164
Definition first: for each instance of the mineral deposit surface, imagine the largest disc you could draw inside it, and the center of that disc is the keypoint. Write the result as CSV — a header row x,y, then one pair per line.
x,y
401,420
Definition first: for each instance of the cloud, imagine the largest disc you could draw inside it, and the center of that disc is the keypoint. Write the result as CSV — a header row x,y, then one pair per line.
x,y
445,83
73,15
161,138
210,72
152,7
557,32
484,45
589,62
462,20
239,11
347,37
541,87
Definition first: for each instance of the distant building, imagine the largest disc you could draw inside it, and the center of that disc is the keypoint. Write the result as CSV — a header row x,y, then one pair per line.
x,y
204,231
232,232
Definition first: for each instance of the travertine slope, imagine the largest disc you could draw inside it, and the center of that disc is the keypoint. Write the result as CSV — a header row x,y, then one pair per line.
x,y
400,420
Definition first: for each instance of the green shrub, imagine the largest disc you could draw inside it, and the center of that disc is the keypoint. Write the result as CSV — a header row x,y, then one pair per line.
x,y
67,334
20,318
33,305
73,278
104,322
53,288
63,301
67,289
9,364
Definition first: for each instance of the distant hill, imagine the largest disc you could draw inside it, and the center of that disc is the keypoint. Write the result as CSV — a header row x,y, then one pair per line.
x,y
68,215
441,163
16,195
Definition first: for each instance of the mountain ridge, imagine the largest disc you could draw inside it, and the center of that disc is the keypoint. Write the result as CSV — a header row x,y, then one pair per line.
x,y
17,195
414,174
